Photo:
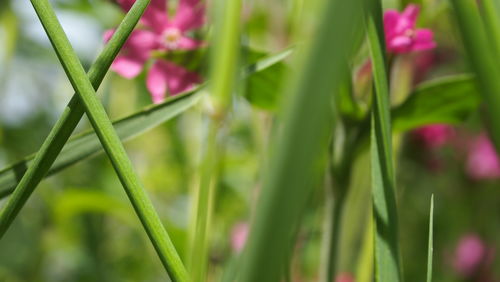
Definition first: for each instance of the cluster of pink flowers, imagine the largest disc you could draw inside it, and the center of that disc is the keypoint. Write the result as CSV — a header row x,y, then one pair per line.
x,y
157,36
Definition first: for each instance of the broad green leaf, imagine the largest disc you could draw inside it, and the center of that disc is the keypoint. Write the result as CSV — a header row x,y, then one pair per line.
x,y
483,59
301,144
262,90
430,248
444,100
85,145
387,265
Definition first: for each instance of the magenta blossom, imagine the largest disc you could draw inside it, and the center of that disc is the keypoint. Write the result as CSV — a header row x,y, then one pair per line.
x,y
159,35
344,277
482,160
471,255
239,235
402,36
435,135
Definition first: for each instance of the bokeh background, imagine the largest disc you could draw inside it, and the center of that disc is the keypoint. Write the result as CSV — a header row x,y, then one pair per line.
x,y
79,225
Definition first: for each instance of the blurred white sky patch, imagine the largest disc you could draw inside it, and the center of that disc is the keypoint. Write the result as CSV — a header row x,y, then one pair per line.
x,y
84,32
32,85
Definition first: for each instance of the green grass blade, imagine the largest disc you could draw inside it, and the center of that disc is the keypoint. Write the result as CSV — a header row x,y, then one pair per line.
x,y
430,247
62,130
111,142
481,56
224,65
301,146
87,144
383,181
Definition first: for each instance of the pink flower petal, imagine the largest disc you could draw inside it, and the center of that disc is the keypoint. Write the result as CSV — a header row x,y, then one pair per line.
x,y
391,18
344,277
469,255
399,44
239,235
436,135
424,40
190,15
165,75
156,82
187,43
126,66
482,160
411,13
155,15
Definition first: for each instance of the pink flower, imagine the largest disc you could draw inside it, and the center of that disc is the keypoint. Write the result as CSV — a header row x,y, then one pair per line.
x,y
482,160
344,277
471,253
402,36
239,235
159,35
434,136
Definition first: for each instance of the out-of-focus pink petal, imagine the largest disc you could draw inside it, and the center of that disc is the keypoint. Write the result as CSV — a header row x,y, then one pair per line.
x,y
470,253
108,34
126,66
187,43
239,235
399,44
344,277
482,160
139,44
411,13
156,82
423,40
165,75
434,136
190,15
155,16
180,79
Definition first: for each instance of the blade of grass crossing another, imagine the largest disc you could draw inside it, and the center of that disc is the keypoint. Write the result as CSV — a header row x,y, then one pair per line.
x,y
430,248
301,145
111,142
87,144
63,128
387,265
481,56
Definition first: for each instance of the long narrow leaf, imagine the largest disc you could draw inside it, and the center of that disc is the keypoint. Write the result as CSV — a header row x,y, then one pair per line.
x,y
299,153
482,59
430,248
111,142
87,144
383,182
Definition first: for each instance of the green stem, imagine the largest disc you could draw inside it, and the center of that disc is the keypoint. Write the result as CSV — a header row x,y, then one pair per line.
x,y
225,55
69,119
111,142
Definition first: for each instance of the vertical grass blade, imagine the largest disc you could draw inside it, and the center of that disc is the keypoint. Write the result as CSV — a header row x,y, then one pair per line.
x,y
383,180
111,142
69,119
224,65
430,247
481,57
300,149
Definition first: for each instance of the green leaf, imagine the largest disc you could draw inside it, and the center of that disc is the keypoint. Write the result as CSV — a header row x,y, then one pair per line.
x,y
87,144
387,265
430,247
262,90
444,100
483,59
301,144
